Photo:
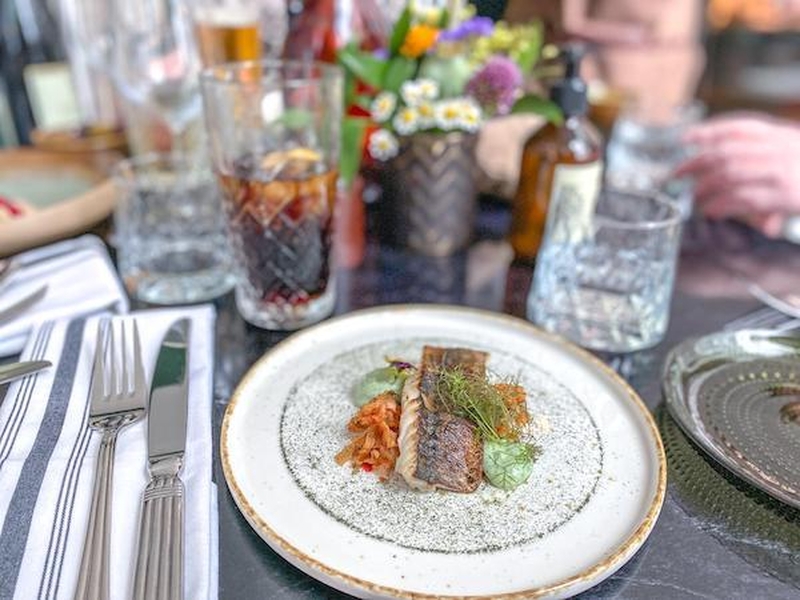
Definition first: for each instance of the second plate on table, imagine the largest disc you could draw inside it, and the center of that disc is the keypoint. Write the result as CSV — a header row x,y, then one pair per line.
x,y
593,498
737,395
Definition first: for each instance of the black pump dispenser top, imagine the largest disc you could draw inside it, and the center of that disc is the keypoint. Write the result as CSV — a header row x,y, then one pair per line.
x,y
570,92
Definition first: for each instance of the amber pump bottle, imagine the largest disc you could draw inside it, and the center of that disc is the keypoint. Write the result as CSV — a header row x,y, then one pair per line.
x,y
569,154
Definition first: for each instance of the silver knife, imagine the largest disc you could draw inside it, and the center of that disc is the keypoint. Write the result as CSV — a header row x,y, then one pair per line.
x,y
159,561
12,371
20,306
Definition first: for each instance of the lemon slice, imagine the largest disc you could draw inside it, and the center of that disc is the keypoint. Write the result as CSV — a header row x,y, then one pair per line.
x,y
277,159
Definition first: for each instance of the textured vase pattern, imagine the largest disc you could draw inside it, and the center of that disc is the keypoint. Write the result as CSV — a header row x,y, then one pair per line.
x,y
429,190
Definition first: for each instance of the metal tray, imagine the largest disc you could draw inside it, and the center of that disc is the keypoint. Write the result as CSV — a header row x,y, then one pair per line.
x,y
737,395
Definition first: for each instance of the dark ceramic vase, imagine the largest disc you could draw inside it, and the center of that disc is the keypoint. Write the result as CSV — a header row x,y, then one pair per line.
x,y
429,194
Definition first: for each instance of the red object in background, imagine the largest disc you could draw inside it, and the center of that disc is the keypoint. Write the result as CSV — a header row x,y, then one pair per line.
x,y
318,33
349,225
324,26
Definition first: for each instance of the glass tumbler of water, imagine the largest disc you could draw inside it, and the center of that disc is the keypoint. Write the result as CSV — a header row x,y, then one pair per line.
x,y
274,130
608,284
646,146
169,230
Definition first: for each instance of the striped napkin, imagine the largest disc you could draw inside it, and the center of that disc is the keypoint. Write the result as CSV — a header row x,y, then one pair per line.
x,y
81,280
47,464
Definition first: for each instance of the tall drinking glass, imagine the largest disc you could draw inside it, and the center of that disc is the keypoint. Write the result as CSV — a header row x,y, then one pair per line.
x,y
238,30
606,282
156,64
274,131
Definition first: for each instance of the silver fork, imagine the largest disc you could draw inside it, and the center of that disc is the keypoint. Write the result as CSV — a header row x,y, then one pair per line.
x,y
788,304
764,317
118,396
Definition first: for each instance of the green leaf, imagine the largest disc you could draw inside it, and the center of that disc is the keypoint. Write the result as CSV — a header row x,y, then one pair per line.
x,y
350,89
363,101
398,70
538,106
400,31
353,132
444,20
362,65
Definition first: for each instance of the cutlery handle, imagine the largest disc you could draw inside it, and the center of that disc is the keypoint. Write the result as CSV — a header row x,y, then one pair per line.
x,y
93,576
159,561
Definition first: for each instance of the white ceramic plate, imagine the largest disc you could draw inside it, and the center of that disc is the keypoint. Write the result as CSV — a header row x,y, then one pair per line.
x,y
592,500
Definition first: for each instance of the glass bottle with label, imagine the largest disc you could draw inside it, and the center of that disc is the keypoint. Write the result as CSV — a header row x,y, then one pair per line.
x,y
557,156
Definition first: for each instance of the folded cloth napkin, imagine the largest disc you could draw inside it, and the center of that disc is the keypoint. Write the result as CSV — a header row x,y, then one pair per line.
x,y
80,280
47,464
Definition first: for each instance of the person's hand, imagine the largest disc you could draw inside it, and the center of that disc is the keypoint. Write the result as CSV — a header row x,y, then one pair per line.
x,y
745,167
789,9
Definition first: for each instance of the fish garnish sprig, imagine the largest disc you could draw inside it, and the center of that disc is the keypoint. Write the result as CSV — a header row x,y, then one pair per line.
x,y
501,417
448,397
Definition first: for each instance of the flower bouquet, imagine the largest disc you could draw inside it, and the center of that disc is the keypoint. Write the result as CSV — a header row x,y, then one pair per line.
x,y
444,70
415,109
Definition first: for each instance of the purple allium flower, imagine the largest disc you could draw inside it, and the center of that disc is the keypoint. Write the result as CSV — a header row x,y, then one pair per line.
x,y
495,85
476,26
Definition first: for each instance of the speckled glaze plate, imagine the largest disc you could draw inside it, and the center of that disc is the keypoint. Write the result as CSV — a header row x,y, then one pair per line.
x,y
591,501
737,394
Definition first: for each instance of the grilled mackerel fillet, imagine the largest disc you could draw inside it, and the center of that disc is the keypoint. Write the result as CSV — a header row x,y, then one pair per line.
x,y
438,450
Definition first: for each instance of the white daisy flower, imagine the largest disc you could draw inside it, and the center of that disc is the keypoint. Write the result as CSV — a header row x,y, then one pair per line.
x,y
383,106
448,113
383,145
471,117
406,121
428,89
411,93
427,115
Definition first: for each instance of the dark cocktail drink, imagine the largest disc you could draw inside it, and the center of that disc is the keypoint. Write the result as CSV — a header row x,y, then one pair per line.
x,y
274,129
280,209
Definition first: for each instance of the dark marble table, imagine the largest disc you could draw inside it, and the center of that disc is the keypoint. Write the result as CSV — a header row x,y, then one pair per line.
x,y
697,549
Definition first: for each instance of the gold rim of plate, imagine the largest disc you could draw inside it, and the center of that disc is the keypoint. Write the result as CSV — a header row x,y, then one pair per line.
x,y
634,541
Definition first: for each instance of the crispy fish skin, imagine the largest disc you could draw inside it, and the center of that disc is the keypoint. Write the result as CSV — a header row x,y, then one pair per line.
x,y
435,359
450,456
438,450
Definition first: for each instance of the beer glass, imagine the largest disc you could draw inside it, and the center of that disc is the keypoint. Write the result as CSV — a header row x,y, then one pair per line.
x,y
239,30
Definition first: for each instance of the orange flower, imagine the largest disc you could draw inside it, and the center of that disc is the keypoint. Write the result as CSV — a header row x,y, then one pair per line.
x,y
419,40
